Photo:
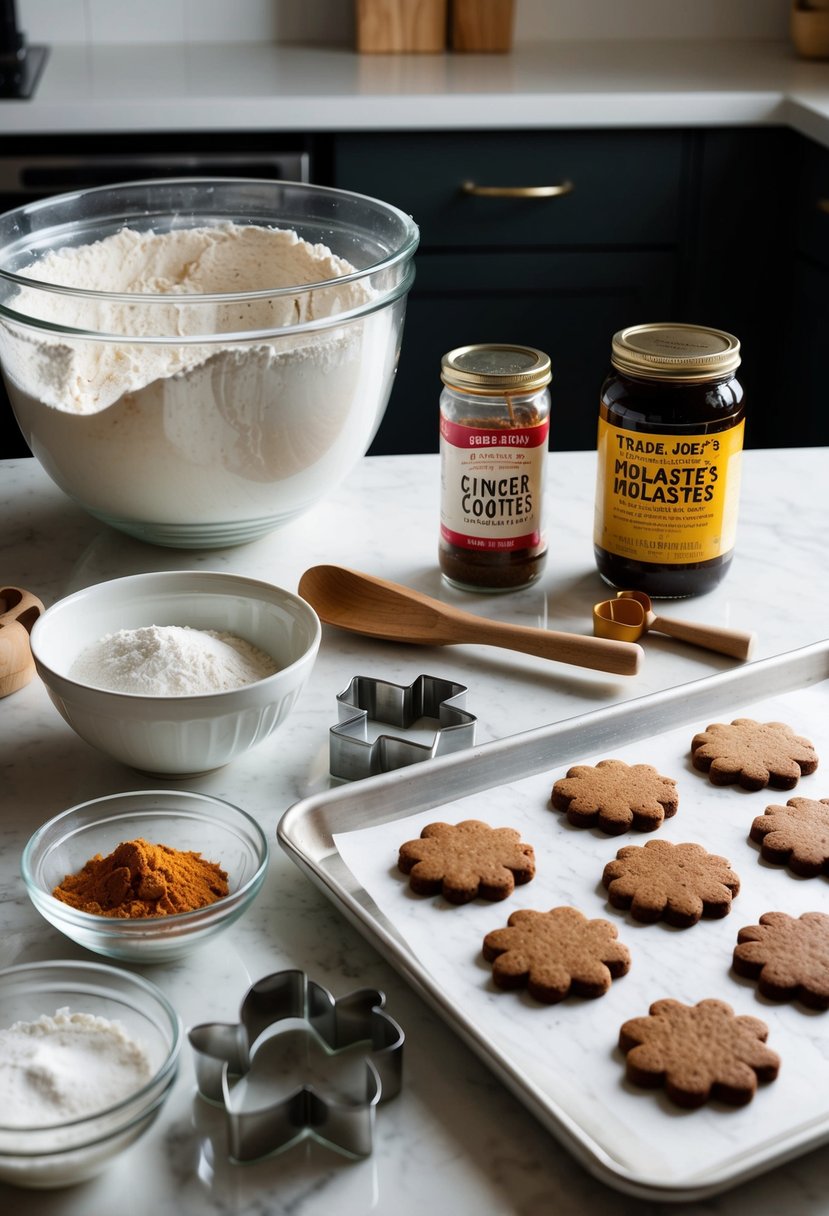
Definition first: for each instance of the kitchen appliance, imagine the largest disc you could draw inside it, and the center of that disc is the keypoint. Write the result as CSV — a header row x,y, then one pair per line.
x,y
20,65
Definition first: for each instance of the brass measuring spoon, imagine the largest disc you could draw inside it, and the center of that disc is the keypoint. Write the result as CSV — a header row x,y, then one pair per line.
x,y
631,614
19,610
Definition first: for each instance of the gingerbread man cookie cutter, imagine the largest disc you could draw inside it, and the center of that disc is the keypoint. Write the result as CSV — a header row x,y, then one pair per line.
x,y
225,1053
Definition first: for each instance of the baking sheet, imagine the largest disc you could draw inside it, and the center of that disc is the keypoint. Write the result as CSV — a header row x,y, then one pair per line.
x,y
562,1060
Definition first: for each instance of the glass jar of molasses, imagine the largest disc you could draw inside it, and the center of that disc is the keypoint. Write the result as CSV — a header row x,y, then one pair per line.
x,y
494,427
669,454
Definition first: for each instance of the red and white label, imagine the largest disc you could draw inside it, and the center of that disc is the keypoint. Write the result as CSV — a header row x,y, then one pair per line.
x,y
492,484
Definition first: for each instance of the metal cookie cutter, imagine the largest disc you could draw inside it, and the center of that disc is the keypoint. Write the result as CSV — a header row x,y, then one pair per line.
x,y
351,753
225,1052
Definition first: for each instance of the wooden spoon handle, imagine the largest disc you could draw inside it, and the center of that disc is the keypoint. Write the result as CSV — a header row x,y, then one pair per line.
x,y
734,642
599,654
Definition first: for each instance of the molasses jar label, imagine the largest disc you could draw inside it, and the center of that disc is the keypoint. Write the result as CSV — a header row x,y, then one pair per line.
x,y
494,427
670,442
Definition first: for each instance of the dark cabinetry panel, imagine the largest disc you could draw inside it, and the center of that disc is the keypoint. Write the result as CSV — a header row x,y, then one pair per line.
x,y
567,304
740,271
804,410
560,273
625,185
811,228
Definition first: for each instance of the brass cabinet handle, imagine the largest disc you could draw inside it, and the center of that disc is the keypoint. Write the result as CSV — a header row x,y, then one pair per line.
x,y
473,188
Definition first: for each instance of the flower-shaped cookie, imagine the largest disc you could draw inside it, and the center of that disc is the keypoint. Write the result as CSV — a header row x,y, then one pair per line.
x,y
753,754
678,883
554,953
795,835
788,956
615,796
698,1052
465,860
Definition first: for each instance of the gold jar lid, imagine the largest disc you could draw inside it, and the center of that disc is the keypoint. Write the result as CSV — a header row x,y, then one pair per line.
x,y
489,368
672,351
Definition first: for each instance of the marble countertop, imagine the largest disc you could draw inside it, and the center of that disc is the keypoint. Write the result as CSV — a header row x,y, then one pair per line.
x,y
455,1139
260,87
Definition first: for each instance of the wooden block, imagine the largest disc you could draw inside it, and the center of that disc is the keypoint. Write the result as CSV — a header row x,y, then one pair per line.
x,y
401,26
810,32
482,25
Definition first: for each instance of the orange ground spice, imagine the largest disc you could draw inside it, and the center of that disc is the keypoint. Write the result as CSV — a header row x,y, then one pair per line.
x,y
141,879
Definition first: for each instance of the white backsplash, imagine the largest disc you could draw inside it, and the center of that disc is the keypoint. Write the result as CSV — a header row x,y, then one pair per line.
x,y
331,22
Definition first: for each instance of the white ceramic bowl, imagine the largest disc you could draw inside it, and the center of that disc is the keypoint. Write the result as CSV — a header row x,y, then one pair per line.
x,y
178,735
65,1153
191,822
216,411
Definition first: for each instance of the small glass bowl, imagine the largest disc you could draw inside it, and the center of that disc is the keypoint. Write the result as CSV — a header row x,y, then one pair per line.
x,y
221,832
62,1154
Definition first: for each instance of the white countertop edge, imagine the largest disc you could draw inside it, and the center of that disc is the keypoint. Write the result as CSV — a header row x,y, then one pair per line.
x,y
430,113
256,87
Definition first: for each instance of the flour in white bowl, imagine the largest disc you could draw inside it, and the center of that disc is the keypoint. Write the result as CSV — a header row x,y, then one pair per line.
x,y
171,661
66,1066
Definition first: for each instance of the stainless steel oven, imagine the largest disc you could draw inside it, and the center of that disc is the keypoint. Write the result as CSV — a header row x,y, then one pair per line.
x,y
34,169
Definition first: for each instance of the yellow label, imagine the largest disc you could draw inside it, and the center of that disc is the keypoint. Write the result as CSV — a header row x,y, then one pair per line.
x,y
667,499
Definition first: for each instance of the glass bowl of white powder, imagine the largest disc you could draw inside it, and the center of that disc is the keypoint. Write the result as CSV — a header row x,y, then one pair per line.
x,y
88,1056
198,361
221,834
176,673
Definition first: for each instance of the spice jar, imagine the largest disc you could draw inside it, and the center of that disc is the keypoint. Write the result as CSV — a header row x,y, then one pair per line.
x,y
669,455
494,425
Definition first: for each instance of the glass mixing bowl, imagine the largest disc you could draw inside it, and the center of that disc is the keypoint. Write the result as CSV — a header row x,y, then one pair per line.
x,y
182,370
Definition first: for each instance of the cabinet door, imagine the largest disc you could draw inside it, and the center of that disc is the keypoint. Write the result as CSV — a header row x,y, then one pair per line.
x,y
811,226
802,416
566,304
739,274
622,187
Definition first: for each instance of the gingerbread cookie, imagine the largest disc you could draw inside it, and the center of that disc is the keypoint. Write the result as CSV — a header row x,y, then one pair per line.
x,y
698,1052
788,956
753,754
555,953
795,835
465,860
615,796
678,883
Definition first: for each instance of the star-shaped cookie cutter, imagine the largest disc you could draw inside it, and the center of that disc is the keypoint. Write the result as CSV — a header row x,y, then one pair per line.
x,y
352,755
224,1053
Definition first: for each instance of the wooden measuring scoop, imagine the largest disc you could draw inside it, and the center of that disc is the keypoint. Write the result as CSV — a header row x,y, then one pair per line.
x,y
19,610
631,614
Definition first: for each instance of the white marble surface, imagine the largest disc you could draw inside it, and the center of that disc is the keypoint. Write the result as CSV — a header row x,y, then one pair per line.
x,y
540,84
454,1140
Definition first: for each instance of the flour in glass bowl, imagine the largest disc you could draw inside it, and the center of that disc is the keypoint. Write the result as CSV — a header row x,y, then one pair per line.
x,y
67,1066
171,661
185,431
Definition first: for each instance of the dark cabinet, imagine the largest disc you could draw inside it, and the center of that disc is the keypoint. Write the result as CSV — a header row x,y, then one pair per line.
x,y
804,416
565,303
561,273
740,275
724,227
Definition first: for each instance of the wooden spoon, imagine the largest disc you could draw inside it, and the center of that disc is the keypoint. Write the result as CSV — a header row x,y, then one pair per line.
x,y
19,610
364,604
